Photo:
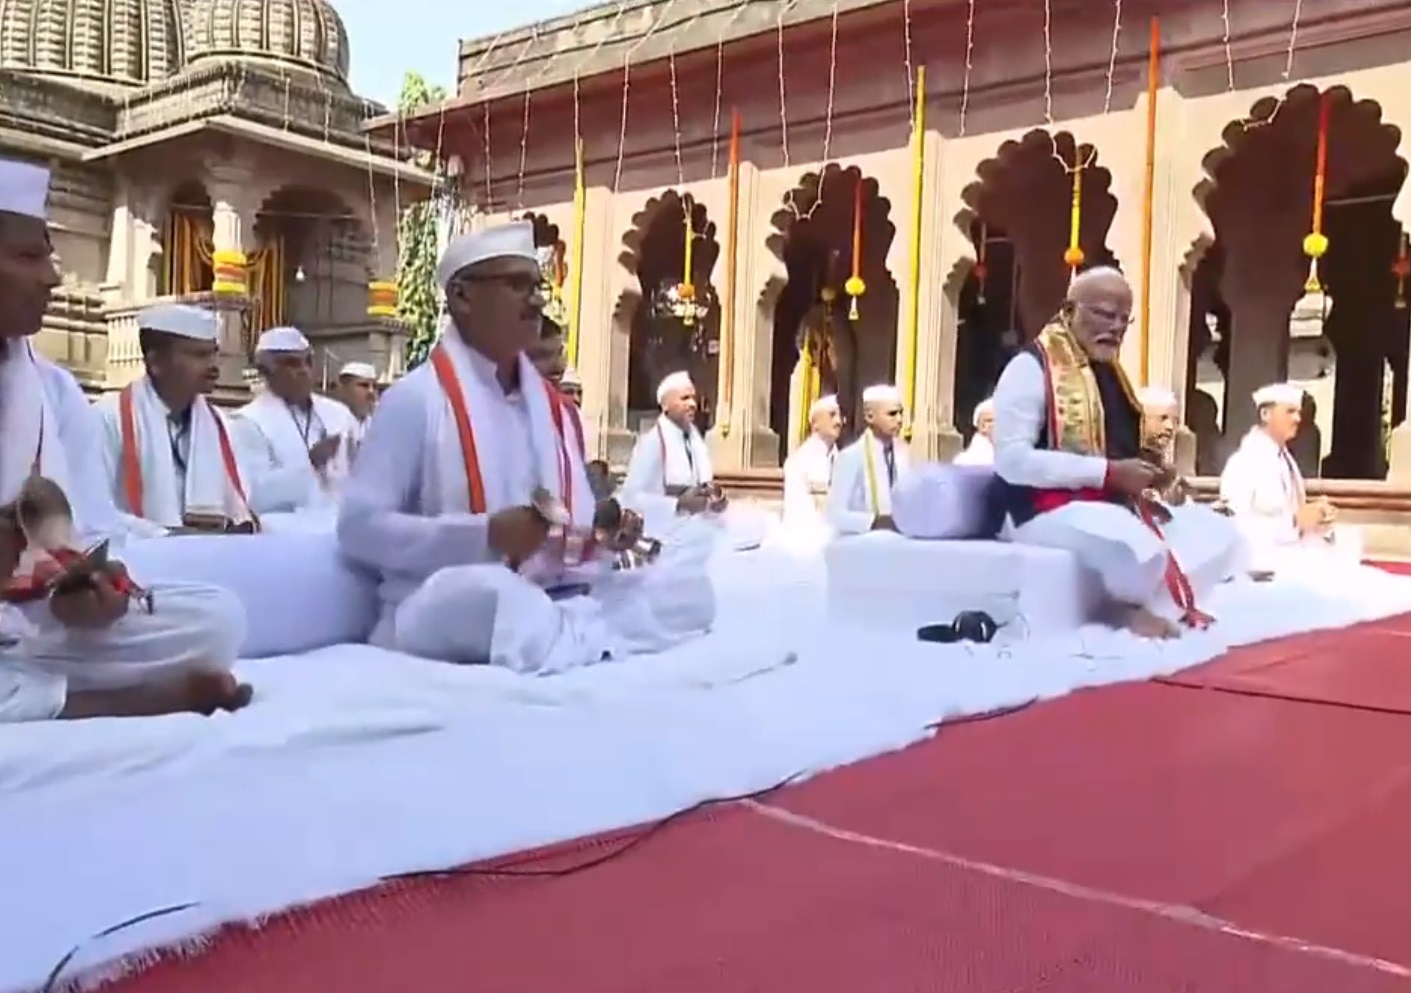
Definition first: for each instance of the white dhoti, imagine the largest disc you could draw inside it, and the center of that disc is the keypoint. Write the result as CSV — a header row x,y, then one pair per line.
x,y
28,693
486,613
1129,561
191,626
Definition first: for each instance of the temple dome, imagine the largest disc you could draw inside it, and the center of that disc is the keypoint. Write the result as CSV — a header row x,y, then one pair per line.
x,y
127,42
307,34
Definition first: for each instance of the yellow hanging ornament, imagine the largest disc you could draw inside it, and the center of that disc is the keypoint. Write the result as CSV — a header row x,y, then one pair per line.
x,y
855,287
1073,255
382,296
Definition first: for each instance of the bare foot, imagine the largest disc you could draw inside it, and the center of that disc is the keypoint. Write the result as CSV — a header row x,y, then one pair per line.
x,y
1144,624
204,691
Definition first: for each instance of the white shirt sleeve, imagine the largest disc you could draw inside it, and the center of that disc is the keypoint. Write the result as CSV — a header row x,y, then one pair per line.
x,y
110,438
1021,409
644,469
30,694
379,524
274,487
81,429
847,486
1264,518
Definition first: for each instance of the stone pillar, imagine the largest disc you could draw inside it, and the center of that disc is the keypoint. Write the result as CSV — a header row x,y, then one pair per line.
x,y
753,346
120,282
944,249
602,350
727,438
234,202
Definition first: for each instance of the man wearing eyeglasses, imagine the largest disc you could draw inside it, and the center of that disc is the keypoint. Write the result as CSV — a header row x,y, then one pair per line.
x,y
472,502
865,472
1068,446
296,440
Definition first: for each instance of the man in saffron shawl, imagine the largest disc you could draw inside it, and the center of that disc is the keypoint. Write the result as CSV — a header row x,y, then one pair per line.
x,y
1068,447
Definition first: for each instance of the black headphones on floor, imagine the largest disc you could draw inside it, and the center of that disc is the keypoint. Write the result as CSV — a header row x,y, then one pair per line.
x,y
969,625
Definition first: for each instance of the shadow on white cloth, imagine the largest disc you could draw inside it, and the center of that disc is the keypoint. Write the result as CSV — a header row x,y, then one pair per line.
x,y
355,763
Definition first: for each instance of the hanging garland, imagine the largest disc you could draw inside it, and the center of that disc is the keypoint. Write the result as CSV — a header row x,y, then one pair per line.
x,y
413,297
1401,269
981,269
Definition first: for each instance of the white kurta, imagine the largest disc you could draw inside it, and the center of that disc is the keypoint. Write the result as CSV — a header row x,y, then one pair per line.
x,y
1128,559
182,463
1263,487
275,440
43,413
665,456
861,491
980,451
807,474
406,513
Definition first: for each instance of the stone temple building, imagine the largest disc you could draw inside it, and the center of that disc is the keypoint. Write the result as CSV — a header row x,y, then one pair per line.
x,y
957,225
190,136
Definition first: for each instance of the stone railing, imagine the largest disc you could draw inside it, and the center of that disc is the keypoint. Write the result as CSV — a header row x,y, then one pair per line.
x,y
124,353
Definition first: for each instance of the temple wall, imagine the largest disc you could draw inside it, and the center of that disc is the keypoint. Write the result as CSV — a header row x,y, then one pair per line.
x,y
684,151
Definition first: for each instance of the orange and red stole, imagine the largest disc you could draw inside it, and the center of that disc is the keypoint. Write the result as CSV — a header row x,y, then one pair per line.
x,y
131,461
1077,424
561,409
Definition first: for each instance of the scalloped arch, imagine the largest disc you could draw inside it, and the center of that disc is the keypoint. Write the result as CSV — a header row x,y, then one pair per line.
x,y
990,195
1263,124
654,210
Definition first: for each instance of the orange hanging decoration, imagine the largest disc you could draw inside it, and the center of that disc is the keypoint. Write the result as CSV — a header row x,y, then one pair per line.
x,y
855,287
1315,244
1401,269
981,270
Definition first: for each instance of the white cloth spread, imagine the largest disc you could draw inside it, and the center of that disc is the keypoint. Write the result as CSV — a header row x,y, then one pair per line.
x,y
182,460
408,513
1128,558
862,484
667,455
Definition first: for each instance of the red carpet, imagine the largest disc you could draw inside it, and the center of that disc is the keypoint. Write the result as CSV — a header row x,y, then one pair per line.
x,y
1205,836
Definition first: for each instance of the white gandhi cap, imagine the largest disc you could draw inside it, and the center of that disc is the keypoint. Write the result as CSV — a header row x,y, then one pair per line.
x,y
673,383
513,240
829,402
1284,393
570,378
181,320
282,340
24,189
884,393
981,409
1156,398
358,370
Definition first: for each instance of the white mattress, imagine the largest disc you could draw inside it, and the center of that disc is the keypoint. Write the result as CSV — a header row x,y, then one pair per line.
x,y
884,580
355,763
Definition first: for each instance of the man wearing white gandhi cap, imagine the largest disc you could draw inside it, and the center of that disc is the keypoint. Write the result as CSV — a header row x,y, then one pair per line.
x,y
865,472
88,652
1159,417
809,470
981,450
1263,488
471,465
670,458
291,434
357,390
170,455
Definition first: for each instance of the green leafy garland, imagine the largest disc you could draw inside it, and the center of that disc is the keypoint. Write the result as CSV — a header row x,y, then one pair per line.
x,y
418,305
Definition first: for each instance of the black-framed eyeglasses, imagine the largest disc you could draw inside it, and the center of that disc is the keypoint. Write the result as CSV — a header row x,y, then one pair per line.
x,y
1108,314
523,283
